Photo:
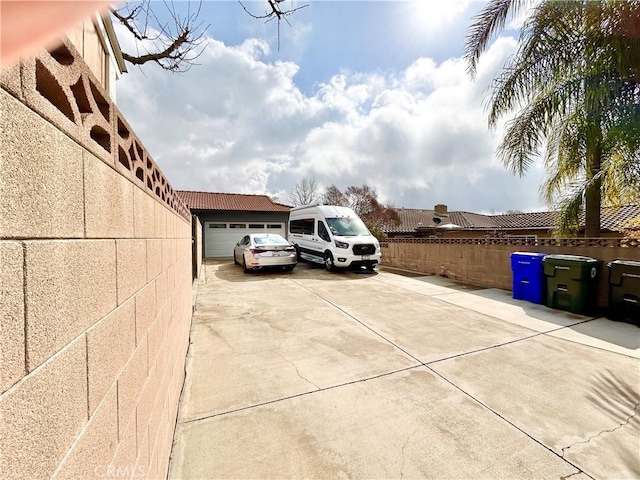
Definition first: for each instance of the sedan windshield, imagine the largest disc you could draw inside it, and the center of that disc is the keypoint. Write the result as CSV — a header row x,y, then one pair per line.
x,y
271,239
347,226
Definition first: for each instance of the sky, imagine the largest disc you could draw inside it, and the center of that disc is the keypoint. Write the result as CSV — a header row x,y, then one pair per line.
x,y
359,92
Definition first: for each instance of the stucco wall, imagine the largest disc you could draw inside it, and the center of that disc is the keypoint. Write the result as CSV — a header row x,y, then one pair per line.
x,y
95,284
489,264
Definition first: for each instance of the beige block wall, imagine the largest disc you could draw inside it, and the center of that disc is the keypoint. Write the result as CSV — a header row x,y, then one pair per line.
x,y
490,265
95,306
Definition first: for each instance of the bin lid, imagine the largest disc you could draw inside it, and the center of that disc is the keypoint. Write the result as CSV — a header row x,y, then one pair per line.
x,y
625,263
528,254
569,259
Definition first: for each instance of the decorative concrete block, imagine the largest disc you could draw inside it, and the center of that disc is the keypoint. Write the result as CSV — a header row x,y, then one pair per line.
x,y
61,88
110,344
154,259
41,189
131,260
143,214
108,201
92,453
146,310
130,385
12,363
70,285
43,414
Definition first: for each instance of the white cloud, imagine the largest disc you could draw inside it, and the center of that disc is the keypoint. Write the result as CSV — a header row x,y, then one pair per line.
x,y
237,123
434,14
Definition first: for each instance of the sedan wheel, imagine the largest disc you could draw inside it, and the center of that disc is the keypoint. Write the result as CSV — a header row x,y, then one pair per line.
x,y
328,262
244,265
235,260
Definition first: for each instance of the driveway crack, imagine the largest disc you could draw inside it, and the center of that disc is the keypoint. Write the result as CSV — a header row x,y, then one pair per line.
x,y
406,442
626,422
296,367
569,476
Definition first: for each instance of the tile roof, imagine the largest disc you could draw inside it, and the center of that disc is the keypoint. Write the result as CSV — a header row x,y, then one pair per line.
x,y
230,202
413,219
613,217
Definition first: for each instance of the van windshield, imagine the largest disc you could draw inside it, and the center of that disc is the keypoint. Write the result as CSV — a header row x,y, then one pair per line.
x,y
347,226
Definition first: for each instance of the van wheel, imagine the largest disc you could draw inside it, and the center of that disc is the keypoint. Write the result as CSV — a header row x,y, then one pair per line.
x,y
298,256
328,262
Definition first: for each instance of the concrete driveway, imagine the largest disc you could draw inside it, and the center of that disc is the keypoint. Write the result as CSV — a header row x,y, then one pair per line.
x,y
312,374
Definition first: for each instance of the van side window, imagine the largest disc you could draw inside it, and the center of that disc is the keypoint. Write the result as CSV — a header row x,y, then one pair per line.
x,y
305,226
322,232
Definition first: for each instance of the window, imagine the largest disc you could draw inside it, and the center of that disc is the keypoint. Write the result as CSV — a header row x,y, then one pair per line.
x,y
237,225
275,225
347,226
323,233
305,226
256,225
217,225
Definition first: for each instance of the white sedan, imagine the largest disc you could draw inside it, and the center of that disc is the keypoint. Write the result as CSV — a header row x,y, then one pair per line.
x,y
262,250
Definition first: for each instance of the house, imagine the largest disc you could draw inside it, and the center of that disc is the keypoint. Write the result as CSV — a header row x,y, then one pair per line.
x,y
439,222
227,217
98,45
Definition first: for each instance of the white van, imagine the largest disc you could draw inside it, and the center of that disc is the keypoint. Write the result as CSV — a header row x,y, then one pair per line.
x,y
334,236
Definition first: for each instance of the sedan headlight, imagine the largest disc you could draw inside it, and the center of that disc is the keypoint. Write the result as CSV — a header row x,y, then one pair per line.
x,y
341,244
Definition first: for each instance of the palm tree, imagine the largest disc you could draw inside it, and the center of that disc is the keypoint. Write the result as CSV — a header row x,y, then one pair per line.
x,y
573,83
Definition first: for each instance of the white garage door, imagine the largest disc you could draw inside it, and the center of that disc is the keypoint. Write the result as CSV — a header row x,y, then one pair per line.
x,y
221,237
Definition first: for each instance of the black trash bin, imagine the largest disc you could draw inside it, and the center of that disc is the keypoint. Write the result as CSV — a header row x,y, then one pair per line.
x,y
571,282
624,291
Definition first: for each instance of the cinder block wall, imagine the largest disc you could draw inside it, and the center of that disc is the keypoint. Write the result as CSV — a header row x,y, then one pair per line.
x,y
95,283
489,264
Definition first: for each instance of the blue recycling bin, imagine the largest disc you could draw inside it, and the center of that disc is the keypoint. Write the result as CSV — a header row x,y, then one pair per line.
x,y
528,276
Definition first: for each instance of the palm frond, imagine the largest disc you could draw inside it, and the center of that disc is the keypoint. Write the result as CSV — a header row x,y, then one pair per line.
x,y
486,24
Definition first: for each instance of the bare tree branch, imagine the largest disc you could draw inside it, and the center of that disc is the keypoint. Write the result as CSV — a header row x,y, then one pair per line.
x,y
275,12
305,192
173,46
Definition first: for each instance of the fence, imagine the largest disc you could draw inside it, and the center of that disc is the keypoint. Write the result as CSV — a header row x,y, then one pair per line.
x,y
95,284
486,261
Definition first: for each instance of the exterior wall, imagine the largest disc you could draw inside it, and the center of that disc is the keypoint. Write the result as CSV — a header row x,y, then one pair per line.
x,y
245,217
487,262
277,217
198,246
95,284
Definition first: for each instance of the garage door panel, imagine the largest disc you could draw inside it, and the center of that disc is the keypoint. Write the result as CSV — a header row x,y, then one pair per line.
x,y
221,237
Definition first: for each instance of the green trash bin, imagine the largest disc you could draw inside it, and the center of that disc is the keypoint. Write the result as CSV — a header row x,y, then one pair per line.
x,y
571,282
624,291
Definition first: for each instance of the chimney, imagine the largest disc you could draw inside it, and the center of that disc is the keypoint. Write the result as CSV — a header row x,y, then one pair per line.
x,y
441,210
